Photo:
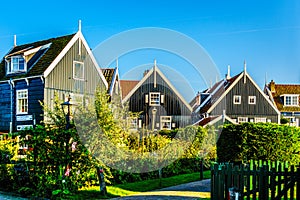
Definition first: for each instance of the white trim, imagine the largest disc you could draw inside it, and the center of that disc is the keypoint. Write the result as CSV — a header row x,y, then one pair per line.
x,y
251,98
114,78
221,83
18,79
154,103
291,96
165,79
220,117
17,101
169,121
242,119
74,75
77,36
238,98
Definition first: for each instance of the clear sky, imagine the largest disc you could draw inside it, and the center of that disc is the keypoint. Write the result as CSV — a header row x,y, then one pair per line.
x,y
264,33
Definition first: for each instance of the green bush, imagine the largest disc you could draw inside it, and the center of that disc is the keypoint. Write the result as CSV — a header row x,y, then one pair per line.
x,y
259,141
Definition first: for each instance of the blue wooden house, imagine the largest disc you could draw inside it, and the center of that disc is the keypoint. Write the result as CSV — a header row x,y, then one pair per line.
x,y
34,72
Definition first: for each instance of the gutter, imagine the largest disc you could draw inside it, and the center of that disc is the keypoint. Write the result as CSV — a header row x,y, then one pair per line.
x,y
11,83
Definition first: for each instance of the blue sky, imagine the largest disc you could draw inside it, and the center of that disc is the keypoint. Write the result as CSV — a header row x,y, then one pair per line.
x,y
264,33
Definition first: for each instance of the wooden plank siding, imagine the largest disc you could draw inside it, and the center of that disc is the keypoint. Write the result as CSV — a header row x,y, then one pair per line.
x,y
5,98
35,95
262,108
61,80
172,106
8,105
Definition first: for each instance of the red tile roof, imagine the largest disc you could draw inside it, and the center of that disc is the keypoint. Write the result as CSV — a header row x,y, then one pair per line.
x,y
127,86
281,89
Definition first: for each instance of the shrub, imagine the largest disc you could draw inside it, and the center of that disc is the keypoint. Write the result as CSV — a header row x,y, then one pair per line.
x,y
259,141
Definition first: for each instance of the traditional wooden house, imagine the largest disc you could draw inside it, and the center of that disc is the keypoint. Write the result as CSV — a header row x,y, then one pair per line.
x,y
160,104
34,72
286,98
235,100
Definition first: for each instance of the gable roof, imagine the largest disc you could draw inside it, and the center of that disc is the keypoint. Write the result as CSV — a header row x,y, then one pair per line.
x,y
280,89
111,76
45,58
154,69
221,89
47,61
211,120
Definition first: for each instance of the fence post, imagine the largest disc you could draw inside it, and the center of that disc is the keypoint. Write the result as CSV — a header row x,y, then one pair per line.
x,y
263,183
298,183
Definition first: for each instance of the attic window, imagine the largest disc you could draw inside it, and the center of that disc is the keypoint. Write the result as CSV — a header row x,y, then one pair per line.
x,y
78,70
154,99
15,64
291,99
237,99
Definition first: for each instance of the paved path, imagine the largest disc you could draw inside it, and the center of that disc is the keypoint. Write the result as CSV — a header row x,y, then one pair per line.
x,y
8,196
189,191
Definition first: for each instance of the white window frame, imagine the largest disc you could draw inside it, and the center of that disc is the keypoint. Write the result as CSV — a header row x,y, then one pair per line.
x,y
237,97
74,71
10,64
252,100
154,99
242,119
132,123
260,120
294,99
19,100
165,120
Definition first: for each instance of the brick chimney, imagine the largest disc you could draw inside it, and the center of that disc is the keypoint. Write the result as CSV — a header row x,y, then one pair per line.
x,y
272,86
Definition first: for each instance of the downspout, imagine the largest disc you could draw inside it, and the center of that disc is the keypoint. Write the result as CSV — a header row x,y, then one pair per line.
x,y
11,83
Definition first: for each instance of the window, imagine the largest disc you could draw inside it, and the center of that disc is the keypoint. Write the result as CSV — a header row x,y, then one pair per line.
x,y
78,70
237,99
154,99
260,120
291,100
15,64
165,122
22,101
133,123
252,100
242,119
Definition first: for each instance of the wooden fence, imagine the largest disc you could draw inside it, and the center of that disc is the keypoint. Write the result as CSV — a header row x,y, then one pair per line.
x,y
270,180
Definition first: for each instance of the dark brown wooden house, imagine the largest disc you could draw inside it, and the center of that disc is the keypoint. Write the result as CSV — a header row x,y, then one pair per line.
x,y
234,99
160,104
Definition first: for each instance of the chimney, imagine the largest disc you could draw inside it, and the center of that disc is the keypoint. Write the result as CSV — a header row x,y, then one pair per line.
x,y
272,86
145,72
15,40
228,73
79,25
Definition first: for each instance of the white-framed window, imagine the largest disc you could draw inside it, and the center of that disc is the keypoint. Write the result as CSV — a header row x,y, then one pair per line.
x,y
154,99
15,64
78,70
251,99
260,120
242,119
237,99
165,122
291,100
132,123
22,101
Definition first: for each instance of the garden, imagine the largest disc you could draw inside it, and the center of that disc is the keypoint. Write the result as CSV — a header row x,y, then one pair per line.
x,y
51,161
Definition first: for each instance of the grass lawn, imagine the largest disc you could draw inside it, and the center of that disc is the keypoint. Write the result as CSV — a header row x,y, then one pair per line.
x,y
137,187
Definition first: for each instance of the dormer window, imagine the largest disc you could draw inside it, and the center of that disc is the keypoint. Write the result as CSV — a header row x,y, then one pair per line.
x,y
290,99
15,64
